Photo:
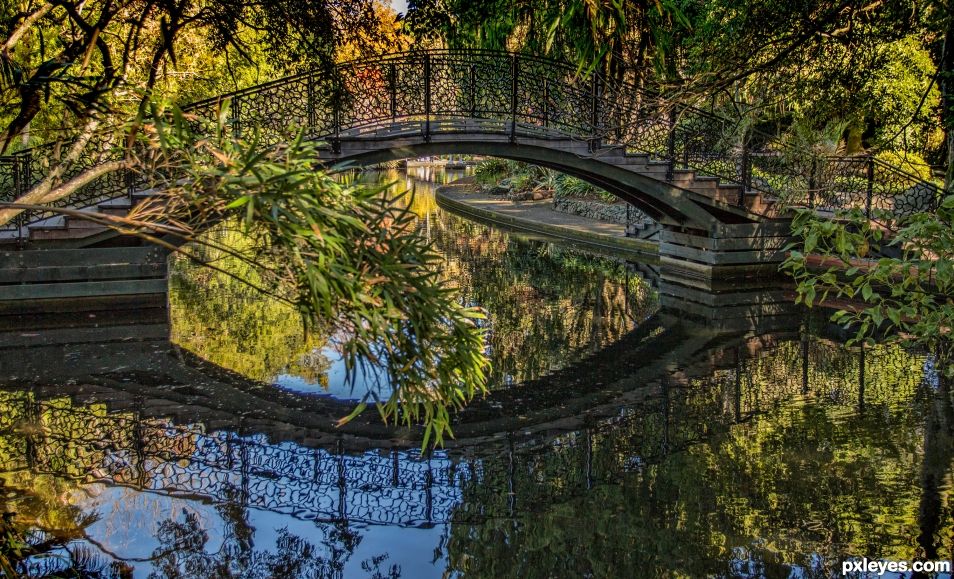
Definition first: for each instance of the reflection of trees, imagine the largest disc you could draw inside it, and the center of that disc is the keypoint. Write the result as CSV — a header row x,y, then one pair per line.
x,y
720,468
720,477
547,304
182,552
231,325
37,509
934,512
51,450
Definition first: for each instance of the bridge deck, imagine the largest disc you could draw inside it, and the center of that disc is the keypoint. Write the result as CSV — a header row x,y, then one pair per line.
x,y
685,167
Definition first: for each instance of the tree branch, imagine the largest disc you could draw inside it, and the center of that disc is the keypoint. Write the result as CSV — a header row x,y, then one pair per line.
x,y
43,194
19,31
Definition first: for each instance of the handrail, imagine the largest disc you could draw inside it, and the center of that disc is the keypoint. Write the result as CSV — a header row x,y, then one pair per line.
x,y
517,95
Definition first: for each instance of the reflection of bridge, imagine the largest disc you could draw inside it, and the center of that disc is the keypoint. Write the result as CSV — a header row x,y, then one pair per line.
x,y
176,426
713,186
132,449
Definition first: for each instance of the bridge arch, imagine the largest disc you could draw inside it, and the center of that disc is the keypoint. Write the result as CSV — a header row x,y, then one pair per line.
x,y
507,105
664,203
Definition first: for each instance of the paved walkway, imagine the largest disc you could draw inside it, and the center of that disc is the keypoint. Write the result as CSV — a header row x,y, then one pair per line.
x,y
536,211
539,217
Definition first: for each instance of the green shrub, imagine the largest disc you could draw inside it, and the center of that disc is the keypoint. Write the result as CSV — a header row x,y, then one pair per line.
x,y
490,171
568,186
522,176
913,167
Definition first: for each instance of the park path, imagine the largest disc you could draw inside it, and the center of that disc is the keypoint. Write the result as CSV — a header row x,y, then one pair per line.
x,y
539,217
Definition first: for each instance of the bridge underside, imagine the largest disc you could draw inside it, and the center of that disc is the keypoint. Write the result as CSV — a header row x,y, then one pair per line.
x,y
608,169
664,204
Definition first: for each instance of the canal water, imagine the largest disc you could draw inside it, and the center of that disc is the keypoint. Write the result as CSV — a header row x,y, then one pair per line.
x,y
627,434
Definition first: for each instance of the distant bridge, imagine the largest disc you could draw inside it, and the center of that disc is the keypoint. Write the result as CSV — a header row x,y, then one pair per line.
x,y
716,189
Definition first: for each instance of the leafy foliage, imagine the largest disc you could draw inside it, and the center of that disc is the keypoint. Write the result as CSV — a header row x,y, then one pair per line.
x,y
68,63
489,171
344,255
880,68
569,186
523,177
906,296
225,321
589,32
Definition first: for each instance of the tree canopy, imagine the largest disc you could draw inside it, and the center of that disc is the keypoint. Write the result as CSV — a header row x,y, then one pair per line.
x,y
877,67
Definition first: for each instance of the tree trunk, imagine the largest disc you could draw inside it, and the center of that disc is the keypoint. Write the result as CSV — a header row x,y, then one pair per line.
x,y
933,516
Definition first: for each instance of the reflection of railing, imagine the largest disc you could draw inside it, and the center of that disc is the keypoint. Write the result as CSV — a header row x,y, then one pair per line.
x,y
684,414
403,488
486,92
397,488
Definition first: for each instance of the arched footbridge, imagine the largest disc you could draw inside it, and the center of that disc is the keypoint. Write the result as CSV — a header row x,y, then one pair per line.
x,y
717,189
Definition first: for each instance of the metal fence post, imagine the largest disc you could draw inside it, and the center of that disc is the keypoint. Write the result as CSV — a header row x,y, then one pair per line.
x,y
392,89
26,173
17,193
429,490
26,183
546,103
427,97
130,184
514,71
236,118
17,177
671,146
342,483
336,115
473,91
312,114
744,170
869,193
594,112
395,469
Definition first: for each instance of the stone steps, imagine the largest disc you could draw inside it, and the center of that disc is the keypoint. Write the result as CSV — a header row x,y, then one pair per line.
x,y
38,274
72,228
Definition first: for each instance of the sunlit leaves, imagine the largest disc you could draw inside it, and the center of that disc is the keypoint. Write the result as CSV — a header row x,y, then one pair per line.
x,y
906,294
344,255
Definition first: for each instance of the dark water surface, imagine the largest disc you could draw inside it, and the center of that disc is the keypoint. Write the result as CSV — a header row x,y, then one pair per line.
x,y
628,434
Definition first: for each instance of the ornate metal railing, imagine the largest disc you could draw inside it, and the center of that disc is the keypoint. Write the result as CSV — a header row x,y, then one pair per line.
x,y
486,92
